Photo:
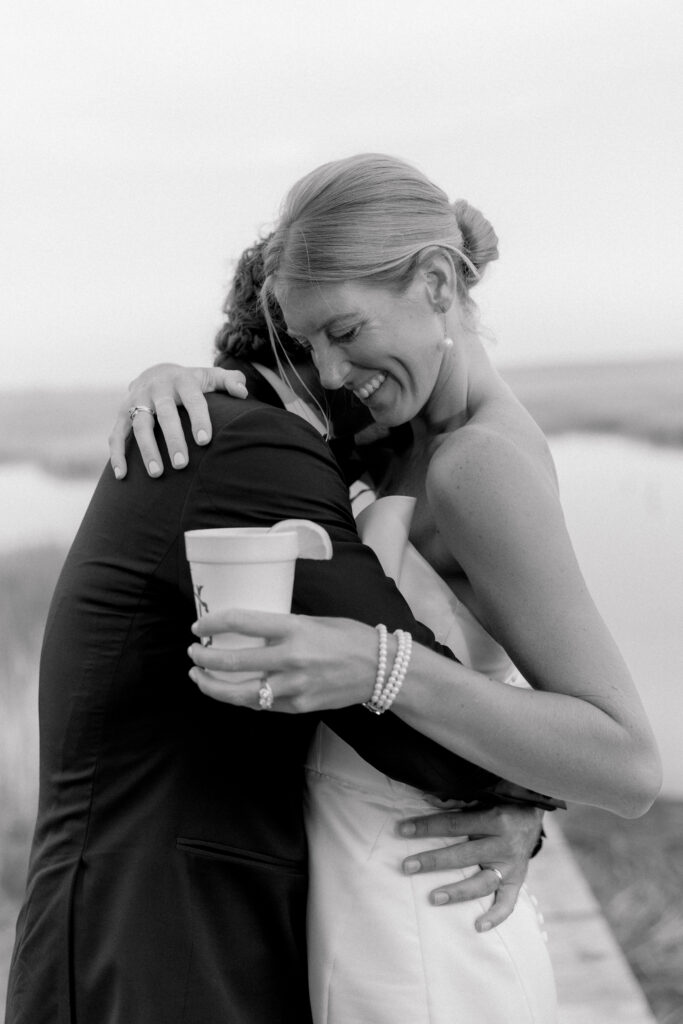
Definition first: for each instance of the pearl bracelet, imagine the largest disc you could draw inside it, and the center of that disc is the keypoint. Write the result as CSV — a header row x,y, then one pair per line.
x,y
383,695
381,663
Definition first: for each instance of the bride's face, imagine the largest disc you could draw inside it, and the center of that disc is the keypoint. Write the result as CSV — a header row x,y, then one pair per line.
x,y
384,347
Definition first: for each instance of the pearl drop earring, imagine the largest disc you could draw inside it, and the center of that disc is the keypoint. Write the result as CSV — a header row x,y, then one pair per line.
x,y
446,342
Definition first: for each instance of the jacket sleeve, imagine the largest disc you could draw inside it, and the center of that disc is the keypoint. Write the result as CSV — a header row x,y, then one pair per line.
x,y
266,465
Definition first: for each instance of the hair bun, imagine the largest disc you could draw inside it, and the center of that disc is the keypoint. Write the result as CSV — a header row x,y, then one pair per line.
x,y
479,238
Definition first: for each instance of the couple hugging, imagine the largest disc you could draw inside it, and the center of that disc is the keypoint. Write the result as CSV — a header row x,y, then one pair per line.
x,y
205,855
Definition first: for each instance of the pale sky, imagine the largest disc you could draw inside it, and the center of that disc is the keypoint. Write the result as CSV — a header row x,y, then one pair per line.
x,y
146,142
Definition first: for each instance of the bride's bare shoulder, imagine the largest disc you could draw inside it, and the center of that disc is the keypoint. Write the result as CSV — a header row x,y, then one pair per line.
x,y
499,450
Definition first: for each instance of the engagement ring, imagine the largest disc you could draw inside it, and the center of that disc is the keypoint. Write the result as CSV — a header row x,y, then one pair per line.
x,y
265,697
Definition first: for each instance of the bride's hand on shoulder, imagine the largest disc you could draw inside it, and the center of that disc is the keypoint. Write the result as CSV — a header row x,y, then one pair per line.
x,y
156,393
310,663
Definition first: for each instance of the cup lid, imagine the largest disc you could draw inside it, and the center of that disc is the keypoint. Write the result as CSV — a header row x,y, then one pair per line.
x,y
241,544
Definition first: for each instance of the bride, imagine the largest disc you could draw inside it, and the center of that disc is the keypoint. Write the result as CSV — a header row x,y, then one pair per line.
x,y
371,268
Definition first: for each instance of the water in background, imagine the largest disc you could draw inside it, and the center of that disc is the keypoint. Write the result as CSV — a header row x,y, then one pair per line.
x,y
37,508
623,502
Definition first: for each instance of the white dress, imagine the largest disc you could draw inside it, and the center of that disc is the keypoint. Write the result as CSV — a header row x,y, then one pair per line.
x,y
379,952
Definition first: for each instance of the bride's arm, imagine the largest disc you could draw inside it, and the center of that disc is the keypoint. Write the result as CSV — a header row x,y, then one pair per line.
x,y
498,511
592,750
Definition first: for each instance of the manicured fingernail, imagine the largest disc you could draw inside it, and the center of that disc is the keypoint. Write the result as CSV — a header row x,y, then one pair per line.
x,y
189,651
154,468
438,899
193,674
485,926
179,459
411,866
241,390
407,828
202,437
118,472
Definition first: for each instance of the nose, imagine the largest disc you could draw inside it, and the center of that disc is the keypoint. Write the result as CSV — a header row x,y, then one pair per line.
x,y
331,364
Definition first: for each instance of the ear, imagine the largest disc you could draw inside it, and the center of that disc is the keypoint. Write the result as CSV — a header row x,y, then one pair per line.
x,y
436,270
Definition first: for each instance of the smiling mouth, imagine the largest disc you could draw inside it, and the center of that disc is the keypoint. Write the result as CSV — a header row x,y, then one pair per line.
x,y
370,387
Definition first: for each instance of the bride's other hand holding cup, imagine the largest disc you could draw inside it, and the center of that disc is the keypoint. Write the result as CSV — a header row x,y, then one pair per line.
x,y
248,568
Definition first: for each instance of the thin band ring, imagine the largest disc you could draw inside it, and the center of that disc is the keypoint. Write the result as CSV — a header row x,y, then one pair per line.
x,y
265,697
135,409
497,873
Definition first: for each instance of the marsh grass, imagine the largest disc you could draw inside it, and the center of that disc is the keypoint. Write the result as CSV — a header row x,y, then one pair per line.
x,y
27,579
63,432
635,869
637,399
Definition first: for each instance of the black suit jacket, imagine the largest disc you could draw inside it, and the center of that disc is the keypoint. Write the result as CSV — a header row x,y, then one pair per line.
x,y
167,876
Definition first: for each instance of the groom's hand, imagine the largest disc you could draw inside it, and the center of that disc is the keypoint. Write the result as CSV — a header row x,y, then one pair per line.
x,y
502,837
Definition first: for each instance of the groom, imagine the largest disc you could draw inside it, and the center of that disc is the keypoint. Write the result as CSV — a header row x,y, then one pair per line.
x,y
167,879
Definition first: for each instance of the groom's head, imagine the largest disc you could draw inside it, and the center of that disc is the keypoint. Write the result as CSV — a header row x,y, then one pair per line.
x,y
245,335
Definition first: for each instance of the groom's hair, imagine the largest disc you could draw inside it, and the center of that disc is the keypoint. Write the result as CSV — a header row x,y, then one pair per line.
x,y
244,334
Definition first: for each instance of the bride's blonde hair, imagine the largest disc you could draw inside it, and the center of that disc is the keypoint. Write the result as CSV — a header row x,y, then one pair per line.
x,y
369,217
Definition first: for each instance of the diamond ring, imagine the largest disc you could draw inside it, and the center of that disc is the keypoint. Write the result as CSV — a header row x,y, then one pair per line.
x,y
265,697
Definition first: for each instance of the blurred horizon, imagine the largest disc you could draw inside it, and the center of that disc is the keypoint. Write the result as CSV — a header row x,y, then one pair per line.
x,y
521,370
145,145
63,430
